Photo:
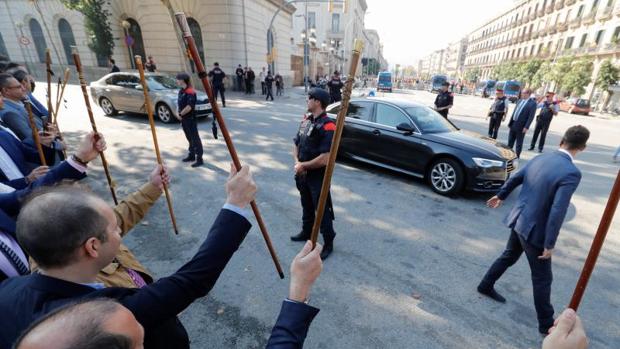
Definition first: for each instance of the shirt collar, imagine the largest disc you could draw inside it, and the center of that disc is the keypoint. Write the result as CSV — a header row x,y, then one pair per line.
x,y
567,153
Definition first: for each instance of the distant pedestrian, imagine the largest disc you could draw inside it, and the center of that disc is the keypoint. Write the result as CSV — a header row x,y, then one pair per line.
x,y
261,76
497,113
239,73
150,65
217,76
617,154
279,84
548,109
246,80
269,79
335,85
115,69
187,116
252,78
444,100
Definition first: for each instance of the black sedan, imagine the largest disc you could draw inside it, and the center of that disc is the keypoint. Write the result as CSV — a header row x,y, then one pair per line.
x,y
412,138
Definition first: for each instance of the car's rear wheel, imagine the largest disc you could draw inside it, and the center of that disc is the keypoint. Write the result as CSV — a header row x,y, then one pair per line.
x,y
164,113
571,111
446,176
107,106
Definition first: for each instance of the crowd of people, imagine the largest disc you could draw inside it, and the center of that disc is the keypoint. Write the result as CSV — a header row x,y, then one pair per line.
x,y
67,280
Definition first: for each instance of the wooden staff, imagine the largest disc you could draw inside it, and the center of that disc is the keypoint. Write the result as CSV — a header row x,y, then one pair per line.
x,y
597,244
59,97
78,67
333,150
149,111
187,35
35,133
48,66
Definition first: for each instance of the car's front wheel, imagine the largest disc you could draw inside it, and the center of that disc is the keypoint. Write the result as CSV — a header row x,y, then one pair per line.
x,y
107,106
446,176
164,113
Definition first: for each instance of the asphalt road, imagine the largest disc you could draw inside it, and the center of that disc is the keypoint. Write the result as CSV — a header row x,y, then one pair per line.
x,y
406,260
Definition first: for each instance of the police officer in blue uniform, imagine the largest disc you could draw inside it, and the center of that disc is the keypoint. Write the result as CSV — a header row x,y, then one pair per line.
x,y
311,153
217,76
335,86
497,113
444,100
187,116
548,109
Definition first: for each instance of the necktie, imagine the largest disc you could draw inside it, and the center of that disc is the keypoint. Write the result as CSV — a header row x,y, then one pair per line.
x,y
21,268
518,111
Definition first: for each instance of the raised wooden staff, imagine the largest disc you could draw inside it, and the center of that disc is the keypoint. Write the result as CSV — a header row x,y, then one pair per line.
x,y
78,67
149,111
333,150
59,96
48,66
187,35
35,133
597,244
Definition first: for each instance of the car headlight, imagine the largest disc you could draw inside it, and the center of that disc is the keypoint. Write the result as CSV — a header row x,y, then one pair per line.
x,y
486,163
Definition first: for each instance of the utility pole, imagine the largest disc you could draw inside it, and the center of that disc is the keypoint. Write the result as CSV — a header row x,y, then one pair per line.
x,y
306,57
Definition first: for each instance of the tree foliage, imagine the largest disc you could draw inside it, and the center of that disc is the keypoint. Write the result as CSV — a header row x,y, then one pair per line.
x,y
608,75
542,75
97,23
559,71
578,76
527,71
472,74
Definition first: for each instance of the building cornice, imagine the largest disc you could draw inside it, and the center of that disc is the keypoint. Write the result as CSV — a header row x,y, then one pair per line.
x,y
288,8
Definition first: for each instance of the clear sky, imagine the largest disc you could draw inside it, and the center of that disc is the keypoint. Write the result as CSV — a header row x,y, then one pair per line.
x,y
411,29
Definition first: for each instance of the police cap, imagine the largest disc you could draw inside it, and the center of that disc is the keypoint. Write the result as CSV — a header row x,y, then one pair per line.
x,y
183,76
445,84
320,95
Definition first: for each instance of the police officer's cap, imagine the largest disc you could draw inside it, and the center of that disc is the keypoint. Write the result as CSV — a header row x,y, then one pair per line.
x,y
445,84
183,76
320,95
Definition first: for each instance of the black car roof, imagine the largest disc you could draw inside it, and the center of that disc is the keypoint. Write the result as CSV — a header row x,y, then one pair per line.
x,y
402,103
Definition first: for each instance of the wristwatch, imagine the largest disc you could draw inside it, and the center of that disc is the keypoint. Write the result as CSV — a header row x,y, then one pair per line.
x,y
78,160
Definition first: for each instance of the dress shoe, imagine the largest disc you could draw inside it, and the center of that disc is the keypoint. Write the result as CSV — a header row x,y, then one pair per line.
x,y
302,236
540,150
491,293
327,250
198,163
189,158
530,148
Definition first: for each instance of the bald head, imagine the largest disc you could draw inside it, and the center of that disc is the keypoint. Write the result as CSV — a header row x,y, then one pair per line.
x,y
93,324
56,221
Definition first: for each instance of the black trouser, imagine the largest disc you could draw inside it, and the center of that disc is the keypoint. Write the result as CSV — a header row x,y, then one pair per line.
x,y
239,83
542,276
309,187
495,122
190,128
262,86
542,127
279,90
516,137
269,92
219,88
248,86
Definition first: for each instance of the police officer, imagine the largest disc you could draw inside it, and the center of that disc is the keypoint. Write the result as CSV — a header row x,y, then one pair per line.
x,y
239,72
269,79
335,85
497,113
444,100
548,108
187,116
311,153
217,78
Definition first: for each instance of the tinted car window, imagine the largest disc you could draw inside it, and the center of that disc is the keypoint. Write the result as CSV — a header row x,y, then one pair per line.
x,y
390,116
360,110
582,103
159,82
429,121
128,81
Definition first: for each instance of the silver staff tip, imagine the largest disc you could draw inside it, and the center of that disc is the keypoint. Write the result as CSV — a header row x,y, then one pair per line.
x,y
358,45
138,59
182,21
74,50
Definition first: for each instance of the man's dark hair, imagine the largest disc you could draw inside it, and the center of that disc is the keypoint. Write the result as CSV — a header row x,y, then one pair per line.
x,y
216,64
576,137
4,80
20,75
185,78
83,321
55,221
112,61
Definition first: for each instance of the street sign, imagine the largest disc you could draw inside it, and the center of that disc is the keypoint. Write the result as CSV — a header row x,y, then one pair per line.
x,y
129,41
24,40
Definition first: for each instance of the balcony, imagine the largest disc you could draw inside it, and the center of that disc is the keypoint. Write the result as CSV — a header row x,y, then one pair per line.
x,y
617,11
541,12
607,13
589,19
559,4
562,27
536,34
552,29
570,2
549,9
575,23
532,16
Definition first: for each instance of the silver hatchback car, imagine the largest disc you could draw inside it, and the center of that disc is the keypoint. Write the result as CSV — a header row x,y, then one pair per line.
x,y
123,92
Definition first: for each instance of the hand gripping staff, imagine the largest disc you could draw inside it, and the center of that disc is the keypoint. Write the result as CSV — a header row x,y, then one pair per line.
x,y
78,67
333,151
149,111
202,74
597,244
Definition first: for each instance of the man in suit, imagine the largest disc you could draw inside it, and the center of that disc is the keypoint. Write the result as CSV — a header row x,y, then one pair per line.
x,y
82,237
19,162
548,183
520,121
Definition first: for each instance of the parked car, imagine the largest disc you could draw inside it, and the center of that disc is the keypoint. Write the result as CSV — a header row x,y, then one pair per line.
x,y
412,138
575,106
123,92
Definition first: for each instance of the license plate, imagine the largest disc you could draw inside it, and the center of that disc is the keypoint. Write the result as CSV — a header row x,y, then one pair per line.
x,y
202,107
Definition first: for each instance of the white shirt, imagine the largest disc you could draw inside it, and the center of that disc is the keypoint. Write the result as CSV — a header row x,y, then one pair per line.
x,y
567,153
8,166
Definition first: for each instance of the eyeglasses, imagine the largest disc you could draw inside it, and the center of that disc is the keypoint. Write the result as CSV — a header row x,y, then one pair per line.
x,y
16,86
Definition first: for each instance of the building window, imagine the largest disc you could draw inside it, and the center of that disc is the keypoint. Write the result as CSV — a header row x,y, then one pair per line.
x,y
599,37
38,38
584,37
311,19
616,34
67,38
335,22
532,50
194,28
137,48
594,5
569,42
3,50
580,12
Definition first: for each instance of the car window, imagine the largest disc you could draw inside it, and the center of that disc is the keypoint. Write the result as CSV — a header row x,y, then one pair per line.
x,y
388,115
128,81
360,110
160,82
333,109
428,120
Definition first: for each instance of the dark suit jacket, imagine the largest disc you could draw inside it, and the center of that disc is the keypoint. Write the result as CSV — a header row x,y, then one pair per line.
x,y
23,155
7,225
548,183
26,298
292,326
525,118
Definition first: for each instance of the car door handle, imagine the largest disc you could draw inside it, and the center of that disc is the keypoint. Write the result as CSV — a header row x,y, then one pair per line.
x,y
376,132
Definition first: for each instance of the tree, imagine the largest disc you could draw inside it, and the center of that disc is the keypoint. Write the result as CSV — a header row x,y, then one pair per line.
x,y
472,74
578,76
607,76
528,70
506,71
543,75
559,71
97,23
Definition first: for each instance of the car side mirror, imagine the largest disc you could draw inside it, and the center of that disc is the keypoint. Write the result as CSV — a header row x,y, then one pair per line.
x,y
405,127
138,87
